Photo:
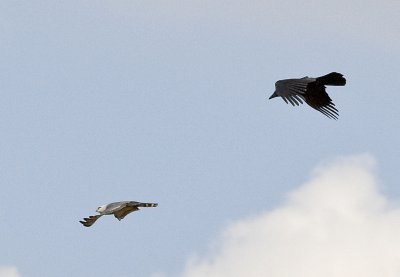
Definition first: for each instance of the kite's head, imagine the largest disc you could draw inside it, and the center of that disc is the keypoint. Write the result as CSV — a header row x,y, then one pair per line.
x,y
101,209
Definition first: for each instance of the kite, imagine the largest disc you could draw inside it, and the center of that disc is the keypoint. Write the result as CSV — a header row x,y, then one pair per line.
x,y
118,209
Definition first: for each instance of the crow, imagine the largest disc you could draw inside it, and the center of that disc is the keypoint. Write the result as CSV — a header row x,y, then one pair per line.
x,y
312,91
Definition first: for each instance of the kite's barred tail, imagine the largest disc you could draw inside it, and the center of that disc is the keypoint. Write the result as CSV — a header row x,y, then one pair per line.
x,y
332,79
147,205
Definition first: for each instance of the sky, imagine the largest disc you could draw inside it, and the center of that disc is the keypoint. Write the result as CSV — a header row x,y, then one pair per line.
x,y
167,102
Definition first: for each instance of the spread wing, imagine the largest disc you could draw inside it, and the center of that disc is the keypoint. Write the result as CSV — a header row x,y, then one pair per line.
x,y
121,213
318,99
116,206
89,221
292,90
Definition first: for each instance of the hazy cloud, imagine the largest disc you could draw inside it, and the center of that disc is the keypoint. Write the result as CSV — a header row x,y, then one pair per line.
x,y
357,19
337,224
8,271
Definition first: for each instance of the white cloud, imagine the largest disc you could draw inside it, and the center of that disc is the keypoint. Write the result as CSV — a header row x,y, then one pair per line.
x,y
8,271
335,225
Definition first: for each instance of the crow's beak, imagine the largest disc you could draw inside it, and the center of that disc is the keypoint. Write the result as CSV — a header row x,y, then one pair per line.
x,y
273,95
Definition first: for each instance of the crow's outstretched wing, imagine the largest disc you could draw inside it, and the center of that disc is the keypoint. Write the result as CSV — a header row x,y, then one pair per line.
x,y
292,90
317,98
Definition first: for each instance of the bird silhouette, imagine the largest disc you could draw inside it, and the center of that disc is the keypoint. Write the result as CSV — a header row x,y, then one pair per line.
x,y
312,91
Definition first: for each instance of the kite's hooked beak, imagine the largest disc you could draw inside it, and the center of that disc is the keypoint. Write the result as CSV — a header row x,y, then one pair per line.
x,y
273,95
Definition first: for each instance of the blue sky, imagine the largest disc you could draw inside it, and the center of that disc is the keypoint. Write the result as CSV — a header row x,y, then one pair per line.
x,y
105,101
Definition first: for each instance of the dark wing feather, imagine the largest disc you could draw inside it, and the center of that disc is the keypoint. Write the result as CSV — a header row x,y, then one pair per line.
x,y
120,214
89,221
318,99
291,90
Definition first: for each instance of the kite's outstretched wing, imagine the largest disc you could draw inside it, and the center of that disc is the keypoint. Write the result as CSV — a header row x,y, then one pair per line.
x,y
120,214
130,207
89,221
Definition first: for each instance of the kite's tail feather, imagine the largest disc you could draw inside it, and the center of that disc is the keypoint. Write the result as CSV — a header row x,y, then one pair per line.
x,y
332,79
147,205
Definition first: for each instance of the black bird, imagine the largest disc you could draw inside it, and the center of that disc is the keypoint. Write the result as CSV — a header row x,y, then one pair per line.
x,y
312,91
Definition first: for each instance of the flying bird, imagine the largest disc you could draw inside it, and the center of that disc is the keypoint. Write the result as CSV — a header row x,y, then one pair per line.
x,y
118,209
312,91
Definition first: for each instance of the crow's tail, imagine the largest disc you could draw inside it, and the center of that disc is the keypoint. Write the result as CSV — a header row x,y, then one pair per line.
x,y
147,205
332,79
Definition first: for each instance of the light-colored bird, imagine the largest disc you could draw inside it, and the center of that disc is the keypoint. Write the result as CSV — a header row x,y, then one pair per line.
x,y
118,209
312,91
